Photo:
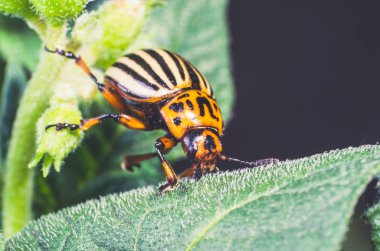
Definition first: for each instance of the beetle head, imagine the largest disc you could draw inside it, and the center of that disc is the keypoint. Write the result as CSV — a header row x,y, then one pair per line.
x,y
202,146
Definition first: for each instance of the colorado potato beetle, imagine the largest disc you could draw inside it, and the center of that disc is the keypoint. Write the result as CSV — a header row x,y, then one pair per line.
x,y
157,89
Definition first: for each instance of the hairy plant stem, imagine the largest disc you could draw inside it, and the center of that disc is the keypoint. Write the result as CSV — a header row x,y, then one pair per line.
x,y
18,182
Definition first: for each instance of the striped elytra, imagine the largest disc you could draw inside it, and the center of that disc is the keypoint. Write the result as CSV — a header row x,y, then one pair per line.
x,y
152,74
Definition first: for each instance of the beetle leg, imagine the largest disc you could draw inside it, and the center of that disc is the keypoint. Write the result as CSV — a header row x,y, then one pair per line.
x,y
188,172
130,161
164,144
123,119
80,62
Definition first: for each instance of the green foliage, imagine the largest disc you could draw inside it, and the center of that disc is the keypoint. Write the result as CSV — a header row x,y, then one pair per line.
x,y
13,34
20,60
52,146
20,8
57,12
13,86
2,247
107,32
373,216
304,204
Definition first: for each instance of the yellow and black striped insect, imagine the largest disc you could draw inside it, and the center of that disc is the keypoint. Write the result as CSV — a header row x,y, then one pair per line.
x,y
157,89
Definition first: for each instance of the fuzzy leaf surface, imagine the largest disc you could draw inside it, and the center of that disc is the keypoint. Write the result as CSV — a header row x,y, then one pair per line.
x,y
303,204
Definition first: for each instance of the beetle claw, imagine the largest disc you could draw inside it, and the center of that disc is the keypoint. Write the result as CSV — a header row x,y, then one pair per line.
x,y
169,186
60,126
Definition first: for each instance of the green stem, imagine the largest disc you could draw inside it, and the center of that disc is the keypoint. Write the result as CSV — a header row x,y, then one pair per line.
x,y
18,182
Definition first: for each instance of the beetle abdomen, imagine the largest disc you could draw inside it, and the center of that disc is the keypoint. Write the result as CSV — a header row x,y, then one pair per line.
x,y
149,75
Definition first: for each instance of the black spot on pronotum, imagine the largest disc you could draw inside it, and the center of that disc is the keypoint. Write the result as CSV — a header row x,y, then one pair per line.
x,y
190,104
177,107
204,101
177,121
183,96
210,143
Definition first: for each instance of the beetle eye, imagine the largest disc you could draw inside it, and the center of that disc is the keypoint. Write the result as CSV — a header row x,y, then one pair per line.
x,y
209,143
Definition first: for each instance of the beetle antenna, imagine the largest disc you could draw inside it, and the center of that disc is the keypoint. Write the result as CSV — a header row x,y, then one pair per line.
x,y
261,162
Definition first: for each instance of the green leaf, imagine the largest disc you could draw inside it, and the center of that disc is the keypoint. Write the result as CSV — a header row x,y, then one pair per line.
x,y
20,8
14,83
373,216
57,12
1,242
303,204
20,59
105,33
53,147
13,48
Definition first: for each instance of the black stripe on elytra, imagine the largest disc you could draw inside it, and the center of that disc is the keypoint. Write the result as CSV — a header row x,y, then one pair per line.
x,y
203,101
177,107
193,76
176,61
164,66
140,61
202,77
135,75
190,104
215,106
122,87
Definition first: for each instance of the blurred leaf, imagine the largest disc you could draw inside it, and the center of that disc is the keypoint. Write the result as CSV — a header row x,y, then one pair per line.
x,y
304,204
20,8
15,80
2,246
201,36
18,44
19,57
105,33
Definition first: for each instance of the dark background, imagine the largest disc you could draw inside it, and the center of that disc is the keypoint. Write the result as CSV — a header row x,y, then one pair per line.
x,y
307,76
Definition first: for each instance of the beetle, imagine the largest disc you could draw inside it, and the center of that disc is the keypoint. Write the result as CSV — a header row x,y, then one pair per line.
x,y
158,89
